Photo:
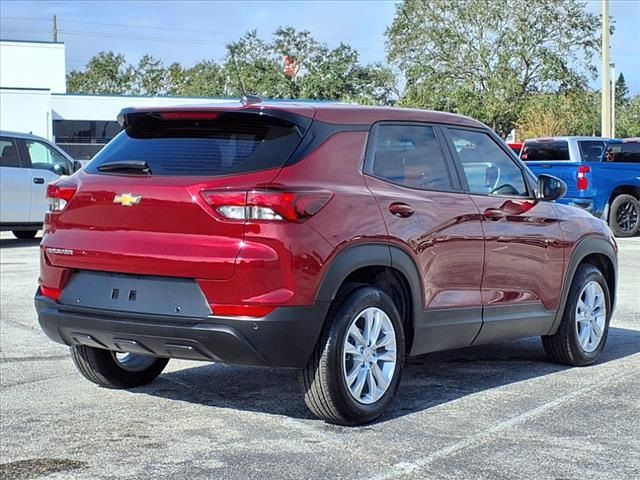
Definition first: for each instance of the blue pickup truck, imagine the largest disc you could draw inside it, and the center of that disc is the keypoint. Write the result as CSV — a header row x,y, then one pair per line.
x,y
602,175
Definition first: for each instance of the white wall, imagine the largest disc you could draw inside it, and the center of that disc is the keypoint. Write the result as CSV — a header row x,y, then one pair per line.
x,y
98,107
32,65
26,111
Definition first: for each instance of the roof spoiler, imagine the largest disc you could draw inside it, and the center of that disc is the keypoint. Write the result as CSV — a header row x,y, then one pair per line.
x,y
130,116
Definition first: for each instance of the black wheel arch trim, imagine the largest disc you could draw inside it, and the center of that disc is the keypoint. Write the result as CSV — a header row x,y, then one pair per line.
x,y
587,246
365,255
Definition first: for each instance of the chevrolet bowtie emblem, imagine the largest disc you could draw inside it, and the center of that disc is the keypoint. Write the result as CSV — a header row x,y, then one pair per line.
x,y
127,199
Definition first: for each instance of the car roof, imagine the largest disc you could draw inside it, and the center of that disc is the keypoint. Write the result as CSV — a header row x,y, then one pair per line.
x,y
330,112
566,138
30,136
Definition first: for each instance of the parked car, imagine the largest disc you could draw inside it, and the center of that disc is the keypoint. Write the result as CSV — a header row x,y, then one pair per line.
x,y
608,189
27,164
333,239
515,146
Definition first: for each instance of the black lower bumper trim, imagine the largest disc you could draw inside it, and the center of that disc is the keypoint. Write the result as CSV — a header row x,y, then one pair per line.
x,y
284,338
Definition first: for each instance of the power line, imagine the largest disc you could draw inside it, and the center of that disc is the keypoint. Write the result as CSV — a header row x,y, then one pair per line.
x,y
165,29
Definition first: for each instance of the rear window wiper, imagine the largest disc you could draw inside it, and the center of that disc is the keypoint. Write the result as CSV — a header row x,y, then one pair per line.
x,y
132,166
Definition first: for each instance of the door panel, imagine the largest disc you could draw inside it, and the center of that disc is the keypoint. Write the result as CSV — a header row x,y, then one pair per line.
x,y
39,180
446,242
412,181
15,184
47,165
524,253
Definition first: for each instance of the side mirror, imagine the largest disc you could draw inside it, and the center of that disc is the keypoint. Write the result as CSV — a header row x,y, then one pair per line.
x,y
76,165
550,188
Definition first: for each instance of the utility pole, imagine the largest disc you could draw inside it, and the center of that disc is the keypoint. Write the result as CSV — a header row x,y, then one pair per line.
x,y
606,89
54,30
613,99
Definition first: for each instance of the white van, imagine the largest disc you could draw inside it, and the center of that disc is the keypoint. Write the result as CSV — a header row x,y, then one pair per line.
x,y
27,164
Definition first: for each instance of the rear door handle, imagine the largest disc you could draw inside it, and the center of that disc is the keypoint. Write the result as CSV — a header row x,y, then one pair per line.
x,y
401,210
494,214
38,180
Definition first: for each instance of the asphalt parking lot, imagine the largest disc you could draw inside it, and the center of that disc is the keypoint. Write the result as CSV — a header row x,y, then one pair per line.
x,y
499,411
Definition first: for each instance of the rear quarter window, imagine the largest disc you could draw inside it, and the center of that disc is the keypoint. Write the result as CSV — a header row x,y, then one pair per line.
x,y
233,143
623,153
553,150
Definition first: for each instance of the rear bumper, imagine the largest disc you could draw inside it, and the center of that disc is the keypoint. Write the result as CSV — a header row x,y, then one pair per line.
x,y
284,338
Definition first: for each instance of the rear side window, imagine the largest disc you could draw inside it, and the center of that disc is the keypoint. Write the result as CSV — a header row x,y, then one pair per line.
x,y
552,150
232,143
591,150
410,155
9,153
623,153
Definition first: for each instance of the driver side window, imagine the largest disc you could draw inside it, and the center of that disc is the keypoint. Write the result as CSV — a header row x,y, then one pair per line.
x,y
46,158
487,168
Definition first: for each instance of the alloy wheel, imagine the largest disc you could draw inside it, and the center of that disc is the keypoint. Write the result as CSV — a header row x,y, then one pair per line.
x,y
369,355
627,216
591,315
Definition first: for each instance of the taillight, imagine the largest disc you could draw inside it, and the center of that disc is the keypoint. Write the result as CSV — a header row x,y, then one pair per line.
x,y
268,205
59,193
583,181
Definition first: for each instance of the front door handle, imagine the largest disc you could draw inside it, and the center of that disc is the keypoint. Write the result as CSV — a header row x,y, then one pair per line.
x,y
494,214
38,180
401,210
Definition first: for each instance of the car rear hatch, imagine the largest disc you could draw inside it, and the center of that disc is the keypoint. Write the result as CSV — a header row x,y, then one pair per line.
x,y
139,206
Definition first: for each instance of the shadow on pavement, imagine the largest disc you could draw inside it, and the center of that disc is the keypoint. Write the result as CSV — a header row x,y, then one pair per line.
x,y
427,381
16,242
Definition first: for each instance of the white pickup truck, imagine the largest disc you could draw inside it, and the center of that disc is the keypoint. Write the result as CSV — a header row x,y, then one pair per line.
x,y
27,164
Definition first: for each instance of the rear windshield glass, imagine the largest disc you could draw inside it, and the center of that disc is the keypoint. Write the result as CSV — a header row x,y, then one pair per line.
x,y
591,150
623,152
231,144
545,151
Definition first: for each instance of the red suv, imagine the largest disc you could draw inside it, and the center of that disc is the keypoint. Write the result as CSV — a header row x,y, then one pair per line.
x,y
329,238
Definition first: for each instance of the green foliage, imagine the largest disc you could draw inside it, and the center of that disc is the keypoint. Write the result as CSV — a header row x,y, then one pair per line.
x,y
628,118
106,73
575,112
251,65
622,91
483,58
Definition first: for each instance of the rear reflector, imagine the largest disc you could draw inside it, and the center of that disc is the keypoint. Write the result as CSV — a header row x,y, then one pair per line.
x,y
268,205
59,193
254,311
52,293
583,181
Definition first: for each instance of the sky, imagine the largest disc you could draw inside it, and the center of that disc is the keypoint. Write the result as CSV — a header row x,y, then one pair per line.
x,y
189,31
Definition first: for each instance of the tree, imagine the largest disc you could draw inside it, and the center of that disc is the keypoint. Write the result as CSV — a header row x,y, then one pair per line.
x,y
622,91
484,57
628,118
574,112
251,66
106,73
150,77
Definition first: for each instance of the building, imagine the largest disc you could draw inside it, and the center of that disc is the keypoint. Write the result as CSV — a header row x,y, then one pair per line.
x,y
34,99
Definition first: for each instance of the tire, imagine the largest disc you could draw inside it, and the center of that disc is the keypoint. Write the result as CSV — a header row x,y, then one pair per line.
x,y
104,368
567,345
24,234
624,216
334,372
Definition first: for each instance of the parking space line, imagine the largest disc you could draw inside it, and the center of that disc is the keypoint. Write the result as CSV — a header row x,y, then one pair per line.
x,y
406,468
